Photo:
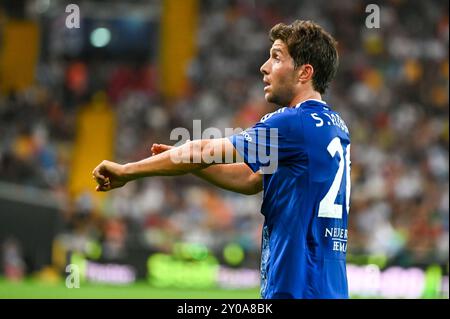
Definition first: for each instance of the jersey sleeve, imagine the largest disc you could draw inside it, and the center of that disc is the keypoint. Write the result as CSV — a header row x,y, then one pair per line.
x,y
274,140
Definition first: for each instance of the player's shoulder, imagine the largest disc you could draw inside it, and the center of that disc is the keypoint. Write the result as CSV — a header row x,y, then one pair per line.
x,y
280,115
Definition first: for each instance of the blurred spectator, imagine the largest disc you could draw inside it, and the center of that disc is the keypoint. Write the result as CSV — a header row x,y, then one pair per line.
x,y
13,263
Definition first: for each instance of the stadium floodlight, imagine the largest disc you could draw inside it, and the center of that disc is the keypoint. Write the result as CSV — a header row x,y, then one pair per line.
x,y
100,37
41,6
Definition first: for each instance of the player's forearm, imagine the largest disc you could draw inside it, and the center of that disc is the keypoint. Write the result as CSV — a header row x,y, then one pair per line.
x,y
233,177
177,161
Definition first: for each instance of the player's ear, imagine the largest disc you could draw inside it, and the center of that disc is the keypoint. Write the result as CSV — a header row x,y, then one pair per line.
x,y
305,73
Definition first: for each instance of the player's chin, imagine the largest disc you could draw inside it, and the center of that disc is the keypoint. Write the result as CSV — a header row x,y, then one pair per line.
x,y
270,98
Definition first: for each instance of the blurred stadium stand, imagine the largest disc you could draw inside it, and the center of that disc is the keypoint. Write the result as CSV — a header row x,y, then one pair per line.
x,y
66,102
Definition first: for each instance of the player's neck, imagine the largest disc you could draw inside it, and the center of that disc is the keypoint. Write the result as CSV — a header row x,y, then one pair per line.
x,y
306,95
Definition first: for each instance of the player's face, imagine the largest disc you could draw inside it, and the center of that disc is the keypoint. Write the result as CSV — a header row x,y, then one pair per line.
x,y
280,77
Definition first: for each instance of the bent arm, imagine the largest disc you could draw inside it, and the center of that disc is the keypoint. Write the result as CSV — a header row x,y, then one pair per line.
x,y
187,158
195,157
237,177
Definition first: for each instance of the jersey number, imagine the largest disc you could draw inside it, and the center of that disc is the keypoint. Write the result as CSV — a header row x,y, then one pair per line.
x,y
327,206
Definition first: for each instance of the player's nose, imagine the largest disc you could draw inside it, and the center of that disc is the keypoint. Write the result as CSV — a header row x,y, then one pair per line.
x,y
264,68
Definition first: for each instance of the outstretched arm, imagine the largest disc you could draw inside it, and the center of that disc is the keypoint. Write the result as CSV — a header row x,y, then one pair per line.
x,y
236,177
187,158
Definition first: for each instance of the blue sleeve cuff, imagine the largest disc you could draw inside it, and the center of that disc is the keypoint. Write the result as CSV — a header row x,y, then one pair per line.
x,y
242,147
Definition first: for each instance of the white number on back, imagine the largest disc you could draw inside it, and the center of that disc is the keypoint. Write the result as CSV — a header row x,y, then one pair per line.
x,y
327,207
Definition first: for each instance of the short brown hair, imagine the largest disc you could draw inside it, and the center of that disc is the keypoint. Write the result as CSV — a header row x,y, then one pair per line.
x,y
309,43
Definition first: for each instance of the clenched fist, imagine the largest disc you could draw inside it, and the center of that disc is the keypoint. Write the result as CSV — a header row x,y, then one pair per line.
x,y
109,175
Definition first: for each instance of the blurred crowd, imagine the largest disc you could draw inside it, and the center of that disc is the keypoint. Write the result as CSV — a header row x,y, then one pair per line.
x,y
391,89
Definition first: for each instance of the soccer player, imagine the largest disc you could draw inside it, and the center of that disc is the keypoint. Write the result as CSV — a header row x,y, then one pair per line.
x,y
305,178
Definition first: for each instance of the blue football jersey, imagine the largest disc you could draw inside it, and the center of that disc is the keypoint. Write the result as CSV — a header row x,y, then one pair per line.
x,y
304,153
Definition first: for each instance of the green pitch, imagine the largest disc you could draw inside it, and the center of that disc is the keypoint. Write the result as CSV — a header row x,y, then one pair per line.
x,y
30,289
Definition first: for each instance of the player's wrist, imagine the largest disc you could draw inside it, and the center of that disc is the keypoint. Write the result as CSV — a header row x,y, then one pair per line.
x,y
128,172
